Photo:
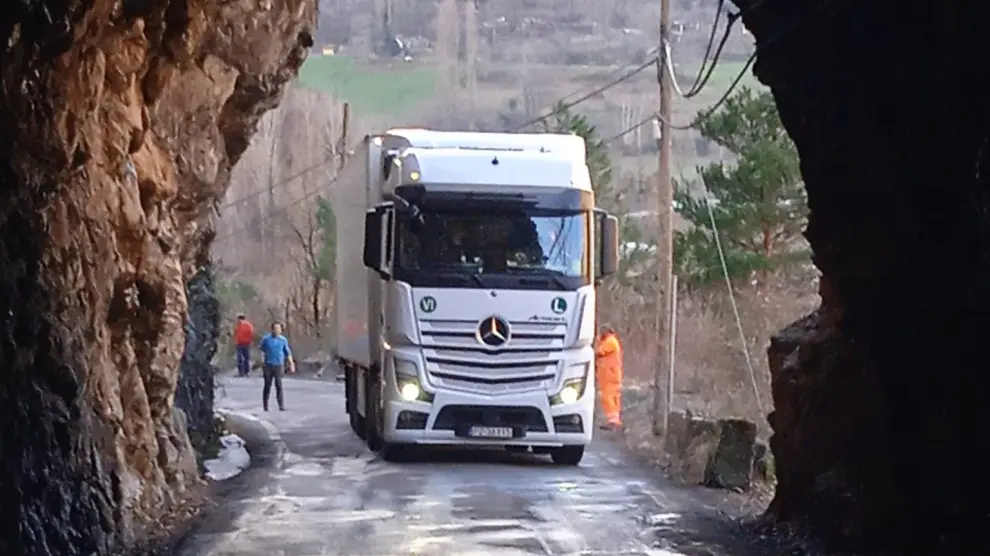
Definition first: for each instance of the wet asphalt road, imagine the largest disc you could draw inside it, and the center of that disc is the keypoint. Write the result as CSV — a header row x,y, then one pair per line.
x,y
331,496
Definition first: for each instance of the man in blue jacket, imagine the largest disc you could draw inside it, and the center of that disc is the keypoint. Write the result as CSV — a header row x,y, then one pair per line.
x,y
276,359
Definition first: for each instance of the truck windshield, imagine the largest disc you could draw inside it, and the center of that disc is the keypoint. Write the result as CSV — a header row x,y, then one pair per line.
x,y
531,249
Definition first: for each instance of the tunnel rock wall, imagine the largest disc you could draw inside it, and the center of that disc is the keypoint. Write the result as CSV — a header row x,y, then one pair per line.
x,y
880,395
194,393
121,121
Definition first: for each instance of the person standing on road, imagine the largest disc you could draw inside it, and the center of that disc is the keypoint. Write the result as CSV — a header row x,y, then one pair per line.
x,y
276,359
608,370
243,338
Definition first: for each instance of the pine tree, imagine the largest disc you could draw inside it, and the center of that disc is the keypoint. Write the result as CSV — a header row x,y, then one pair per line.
x,y
758,201
563,120
326,221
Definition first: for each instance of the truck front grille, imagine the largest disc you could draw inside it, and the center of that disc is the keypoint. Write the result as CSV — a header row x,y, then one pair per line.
x,y
455,359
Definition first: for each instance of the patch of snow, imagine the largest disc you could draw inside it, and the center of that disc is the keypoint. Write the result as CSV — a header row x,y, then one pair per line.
x,y
662,519
232,459
223,412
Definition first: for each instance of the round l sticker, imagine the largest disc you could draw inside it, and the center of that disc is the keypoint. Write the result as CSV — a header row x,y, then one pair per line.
x,y
428,304
558,305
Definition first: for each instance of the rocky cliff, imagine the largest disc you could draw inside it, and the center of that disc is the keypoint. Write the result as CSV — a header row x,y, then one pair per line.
x,y
121,121
880,394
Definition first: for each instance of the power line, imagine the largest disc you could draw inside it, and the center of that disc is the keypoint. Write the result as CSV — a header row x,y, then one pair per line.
x,y
567,106
278,211
277,185
749,63
630,129
744,343
707,113
610,75
706,69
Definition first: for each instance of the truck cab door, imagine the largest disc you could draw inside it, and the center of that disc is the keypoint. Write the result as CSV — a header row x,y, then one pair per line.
x,y
388,241
378,254
388,248
378,239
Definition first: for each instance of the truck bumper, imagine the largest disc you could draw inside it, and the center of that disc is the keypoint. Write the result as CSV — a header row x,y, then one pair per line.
x,y
449,417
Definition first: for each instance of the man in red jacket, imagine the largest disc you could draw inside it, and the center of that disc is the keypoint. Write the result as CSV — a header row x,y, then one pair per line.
x,y
243,338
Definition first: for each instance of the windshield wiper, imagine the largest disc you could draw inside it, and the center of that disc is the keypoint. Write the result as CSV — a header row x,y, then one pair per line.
x,y
477,279
462,276
551,275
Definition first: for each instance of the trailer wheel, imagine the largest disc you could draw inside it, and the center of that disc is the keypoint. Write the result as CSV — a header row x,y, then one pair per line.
x,y
567,455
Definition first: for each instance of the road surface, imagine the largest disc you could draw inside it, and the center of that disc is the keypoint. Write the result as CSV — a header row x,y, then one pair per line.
x,y
332,497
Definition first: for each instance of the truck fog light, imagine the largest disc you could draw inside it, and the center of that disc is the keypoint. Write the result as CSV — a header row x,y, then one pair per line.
x,y
409,392
569,395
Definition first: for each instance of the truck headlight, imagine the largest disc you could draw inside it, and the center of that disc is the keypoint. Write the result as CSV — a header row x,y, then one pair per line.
x,y
571,392
407,382
410,391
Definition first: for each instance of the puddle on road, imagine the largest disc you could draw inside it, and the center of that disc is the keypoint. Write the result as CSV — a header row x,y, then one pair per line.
x,y
353,467
662,519
304,469
350,516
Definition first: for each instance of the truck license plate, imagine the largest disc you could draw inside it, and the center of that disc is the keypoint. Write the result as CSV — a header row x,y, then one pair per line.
x,y
490,432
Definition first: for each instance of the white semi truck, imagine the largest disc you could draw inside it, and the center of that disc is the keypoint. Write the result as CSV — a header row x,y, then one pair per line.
x,y
466,314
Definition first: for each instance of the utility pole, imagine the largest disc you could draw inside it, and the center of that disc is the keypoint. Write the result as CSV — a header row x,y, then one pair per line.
x,y
665,234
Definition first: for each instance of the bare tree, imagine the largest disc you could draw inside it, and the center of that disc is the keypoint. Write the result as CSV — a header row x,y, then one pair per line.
x,y
271,238
309,226
470,28
448,32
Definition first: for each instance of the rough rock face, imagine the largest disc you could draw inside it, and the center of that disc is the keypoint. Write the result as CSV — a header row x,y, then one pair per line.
x,y
121,121
880,395
194,390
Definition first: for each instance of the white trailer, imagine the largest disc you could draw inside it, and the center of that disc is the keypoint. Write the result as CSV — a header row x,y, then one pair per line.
x,y
469,316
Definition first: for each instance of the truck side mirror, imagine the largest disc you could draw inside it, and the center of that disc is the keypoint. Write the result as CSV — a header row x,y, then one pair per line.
x,y
373,239
608,257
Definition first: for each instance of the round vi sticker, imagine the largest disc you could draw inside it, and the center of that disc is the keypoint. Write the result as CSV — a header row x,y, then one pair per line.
x,y
558,305
428,304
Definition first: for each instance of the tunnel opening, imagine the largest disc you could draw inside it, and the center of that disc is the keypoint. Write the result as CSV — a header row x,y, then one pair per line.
x,y
877,394
119,120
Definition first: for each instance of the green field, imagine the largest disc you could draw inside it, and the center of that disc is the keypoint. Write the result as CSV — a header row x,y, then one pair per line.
x,y
726,72
370,90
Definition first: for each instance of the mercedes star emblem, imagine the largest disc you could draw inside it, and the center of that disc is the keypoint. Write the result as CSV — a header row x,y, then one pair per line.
x,y
493,332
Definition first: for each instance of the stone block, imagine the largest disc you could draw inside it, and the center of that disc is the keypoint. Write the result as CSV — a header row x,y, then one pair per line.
x,y
731,463
719,453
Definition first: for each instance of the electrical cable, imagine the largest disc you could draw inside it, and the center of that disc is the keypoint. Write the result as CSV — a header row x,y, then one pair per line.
x,y
277,185
610,75
276,211
707,69
707,113
744,343
715,233
567,106
630,129
749,63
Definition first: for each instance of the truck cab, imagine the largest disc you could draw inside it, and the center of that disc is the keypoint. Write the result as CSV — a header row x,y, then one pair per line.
x,y
482,252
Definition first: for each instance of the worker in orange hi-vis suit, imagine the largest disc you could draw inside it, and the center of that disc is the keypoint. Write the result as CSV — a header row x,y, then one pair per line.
x,y
608,370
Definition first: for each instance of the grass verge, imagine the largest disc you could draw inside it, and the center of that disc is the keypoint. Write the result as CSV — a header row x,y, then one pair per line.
x,y
386,89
